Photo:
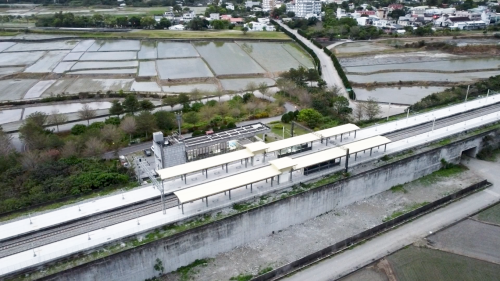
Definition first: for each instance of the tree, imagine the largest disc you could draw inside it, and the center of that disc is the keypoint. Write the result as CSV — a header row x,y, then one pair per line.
x,y
395,14
252,87
340,106
359,111
264,89
198,24
170,101
6,146
310,117
165,120
32,131
290,14
146,122
37,118
116,108
94,147
131,104
191,117
56,118
244,30
182,98
86,113
372,108
147,22
312,75
164,23
129,126
110,134
147,105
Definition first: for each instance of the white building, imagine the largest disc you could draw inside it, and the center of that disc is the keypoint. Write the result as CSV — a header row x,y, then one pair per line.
x,y
250,4
214,16
258,26
176,27
230,6
303,8
268,5
188,16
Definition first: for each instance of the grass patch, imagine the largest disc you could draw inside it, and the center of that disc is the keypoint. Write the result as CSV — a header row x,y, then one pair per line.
x,y
265,270
407,209
414,264
186,271
242,277
229,34
442,173
491,215
240,207
8,33
277,129
326,180
398,188
442,142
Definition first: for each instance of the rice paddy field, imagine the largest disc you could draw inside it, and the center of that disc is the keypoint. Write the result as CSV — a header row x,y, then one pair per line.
x,y
88,65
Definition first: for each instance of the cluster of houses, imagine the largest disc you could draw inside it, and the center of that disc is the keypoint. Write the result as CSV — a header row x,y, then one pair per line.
x,y
477,18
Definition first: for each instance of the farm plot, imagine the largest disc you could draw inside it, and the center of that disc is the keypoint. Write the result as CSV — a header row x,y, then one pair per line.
x,y
73,56
400,95
104,65
9,70
145,87
83,46
300,55
65,108
415,264
176,50
63,67
147,68
108,56
59,87
421,76
241,84
6,45
103,85
270,56
46,46
449,65
360,47
470,238
188,88
16,59
228,58
183,68
37,90
15,89
148,50
11,115
48,62
118,45
491,215
106,71
366,274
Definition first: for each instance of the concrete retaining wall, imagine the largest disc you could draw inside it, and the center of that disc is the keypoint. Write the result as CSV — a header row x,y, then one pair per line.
x,y
226,234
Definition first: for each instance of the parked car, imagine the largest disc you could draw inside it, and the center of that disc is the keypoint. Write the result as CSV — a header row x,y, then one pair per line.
x,y
148,152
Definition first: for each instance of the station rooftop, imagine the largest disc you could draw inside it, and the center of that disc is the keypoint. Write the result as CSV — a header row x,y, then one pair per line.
x,y
335,131
319,157
365,144
286,143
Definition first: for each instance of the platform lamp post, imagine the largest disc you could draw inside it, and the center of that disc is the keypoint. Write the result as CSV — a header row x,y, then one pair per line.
x,y
466,94
407,114
487,94
389,112
178,117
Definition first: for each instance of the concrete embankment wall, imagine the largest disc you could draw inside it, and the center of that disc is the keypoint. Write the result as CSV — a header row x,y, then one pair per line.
x,y
228,233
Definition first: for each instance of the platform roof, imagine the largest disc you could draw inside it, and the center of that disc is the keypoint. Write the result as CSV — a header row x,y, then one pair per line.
x,y
366,144
282,144
256,146
319,157
206,163
284,163
335,131
225,184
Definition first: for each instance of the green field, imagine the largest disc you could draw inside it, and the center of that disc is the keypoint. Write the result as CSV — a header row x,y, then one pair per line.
x,y
172,34
415,264
491,215
277,128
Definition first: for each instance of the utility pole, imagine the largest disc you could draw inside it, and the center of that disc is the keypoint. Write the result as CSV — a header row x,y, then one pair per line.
x,y
388,111
178,116
466,94
407,114
433,122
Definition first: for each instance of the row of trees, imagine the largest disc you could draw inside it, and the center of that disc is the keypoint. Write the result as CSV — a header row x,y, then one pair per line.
x,y
98,20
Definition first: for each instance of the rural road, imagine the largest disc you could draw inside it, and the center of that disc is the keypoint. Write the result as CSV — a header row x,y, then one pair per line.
x,y
329,73
348,261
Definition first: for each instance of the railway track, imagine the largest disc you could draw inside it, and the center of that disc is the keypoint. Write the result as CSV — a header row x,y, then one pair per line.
x,y
46,236
442,122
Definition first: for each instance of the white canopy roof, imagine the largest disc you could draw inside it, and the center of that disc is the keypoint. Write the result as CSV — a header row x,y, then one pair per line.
x,y
335,131
256,146
319,157
366,144
284,163
278,145
203,164
225,184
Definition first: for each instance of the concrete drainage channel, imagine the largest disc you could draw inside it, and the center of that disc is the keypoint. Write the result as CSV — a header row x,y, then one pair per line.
x,y
353,241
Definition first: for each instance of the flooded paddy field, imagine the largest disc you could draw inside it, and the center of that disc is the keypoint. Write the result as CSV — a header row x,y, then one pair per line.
x,y
176,64
422,76
398,95
65,108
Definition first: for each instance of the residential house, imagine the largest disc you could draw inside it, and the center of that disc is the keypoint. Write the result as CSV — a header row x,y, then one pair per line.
x,y
237,21
214,16
177,27
250,4
230,6
188,16
258,26
225,17
268,5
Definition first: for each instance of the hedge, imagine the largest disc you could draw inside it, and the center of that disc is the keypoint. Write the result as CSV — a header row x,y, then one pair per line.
x,y
336,63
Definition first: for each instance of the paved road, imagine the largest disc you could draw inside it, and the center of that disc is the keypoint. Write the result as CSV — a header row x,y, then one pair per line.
x,y
329,73
392,241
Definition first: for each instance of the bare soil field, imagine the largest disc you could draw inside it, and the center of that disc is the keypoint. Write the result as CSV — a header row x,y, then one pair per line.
x,y
413,263
322,231
470,238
